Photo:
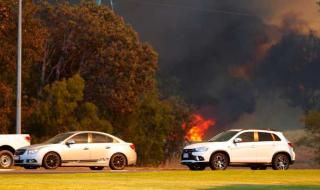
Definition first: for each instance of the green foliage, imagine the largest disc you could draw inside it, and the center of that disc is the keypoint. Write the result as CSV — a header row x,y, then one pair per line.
x,y
312,123
156,128
148,127
62,109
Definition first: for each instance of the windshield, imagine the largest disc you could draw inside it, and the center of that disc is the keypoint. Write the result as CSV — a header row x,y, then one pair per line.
x,y
224,136
58,138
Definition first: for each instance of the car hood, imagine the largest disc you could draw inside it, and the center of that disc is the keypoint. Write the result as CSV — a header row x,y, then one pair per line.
x,y
36,146
207,144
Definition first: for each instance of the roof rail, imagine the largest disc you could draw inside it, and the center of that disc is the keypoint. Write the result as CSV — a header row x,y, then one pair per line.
x,y
267,129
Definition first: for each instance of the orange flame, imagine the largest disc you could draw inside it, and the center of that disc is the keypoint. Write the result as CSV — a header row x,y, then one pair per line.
x,y
199,126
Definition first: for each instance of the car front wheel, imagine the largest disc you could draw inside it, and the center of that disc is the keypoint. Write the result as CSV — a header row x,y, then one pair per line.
x,y
6,159
51,160
219,161
118,161
280,162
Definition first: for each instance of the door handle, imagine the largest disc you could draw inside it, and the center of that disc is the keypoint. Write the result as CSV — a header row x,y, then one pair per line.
x,y
108,147
86,148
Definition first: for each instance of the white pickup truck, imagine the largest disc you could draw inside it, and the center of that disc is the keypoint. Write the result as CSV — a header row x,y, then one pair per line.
x,y
8,145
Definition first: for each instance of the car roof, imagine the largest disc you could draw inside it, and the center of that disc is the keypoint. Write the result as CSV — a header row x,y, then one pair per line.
x,y
97,132
259,130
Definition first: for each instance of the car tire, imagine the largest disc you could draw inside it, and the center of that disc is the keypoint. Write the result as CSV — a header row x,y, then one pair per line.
x,y
280,162
51,161
219,161
30,167
6,159
118,161
196,167
96,167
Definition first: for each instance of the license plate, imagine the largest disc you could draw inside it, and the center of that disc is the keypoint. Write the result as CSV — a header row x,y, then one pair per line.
x,y
185,155
16,157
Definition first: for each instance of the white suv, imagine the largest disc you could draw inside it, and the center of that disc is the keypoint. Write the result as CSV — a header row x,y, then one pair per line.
x,y
251,147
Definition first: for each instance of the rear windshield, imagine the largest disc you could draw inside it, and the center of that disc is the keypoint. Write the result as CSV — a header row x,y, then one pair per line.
x,y
224,136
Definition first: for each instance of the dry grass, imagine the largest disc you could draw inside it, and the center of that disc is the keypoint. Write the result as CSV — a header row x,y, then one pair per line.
x,y
230,179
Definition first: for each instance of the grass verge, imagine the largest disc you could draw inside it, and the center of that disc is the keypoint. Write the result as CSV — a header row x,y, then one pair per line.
x,y
204,180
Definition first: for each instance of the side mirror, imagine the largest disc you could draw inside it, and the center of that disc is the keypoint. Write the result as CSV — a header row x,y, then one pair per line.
x,y
237,140
70,142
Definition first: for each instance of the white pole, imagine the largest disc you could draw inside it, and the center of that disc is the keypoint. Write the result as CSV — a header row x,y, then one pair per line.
x,y
19,59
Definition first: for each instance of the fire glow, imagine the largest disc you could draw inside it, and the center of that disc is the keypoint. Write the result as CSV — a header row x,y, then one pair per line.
x,y
199,126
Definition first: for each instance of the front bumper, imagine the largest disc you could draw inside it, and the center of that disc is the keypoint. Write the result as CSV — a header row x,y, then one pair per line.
x,y
27,160
190,156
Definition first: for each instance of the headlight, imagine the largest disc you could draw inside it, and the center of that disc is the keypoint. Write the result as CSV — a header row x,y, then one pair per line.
x,y
201,149
32,151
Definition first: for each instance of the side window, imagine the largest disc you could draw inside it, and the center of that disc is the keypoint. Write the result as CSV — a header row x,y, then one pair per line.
x,y
276,137
265,136
81,138
247,137
99,138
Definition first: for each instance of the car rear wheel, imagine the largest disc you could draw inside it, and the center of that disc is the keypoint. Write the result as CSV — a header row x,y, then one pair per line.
x,y
96,167
6,159
280,162
219,161
196,167
118,161
51,160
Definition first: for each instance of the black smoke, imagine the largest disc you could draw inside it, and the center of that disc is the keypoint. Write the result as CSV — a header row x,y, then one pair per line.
x,y
202,43
199,46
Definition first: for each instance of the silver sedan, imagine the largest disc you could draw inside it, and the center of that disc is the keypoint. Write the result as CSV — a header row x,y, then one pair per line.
x,y
83,148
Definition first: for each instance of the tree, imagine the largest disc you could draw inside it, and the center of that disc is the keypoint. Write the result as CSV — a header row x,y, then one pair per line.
x,y
91,40
312,123
32,53
62,109
148,127
5,107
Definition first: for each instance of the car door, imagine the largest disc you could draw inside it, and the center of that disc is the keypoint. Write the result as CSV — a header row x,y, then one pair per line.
x,y
79,152
265,147
100,147
244,151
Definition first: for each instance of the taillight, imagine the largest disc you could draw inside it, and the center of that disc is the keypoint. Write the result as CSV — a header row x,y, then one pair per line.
x,y
28,138
290,144
132,146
